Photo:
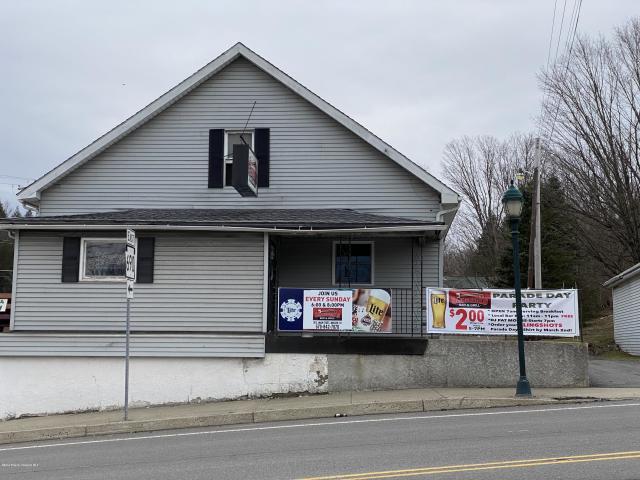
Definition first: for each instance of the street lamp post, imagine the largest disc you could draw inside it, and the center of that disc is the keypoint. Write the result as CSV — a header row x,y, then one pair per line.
x,y
512,201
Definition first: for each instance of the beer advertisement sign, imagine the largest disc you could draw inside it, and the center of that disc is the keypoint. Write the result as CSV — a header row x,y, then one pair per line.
x,y
244,176
345,310
549,313
326,310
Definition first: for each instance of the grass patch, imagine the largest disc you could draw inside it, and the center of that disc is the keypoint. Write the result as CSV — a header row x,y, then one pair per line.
x,y
618,355
598,333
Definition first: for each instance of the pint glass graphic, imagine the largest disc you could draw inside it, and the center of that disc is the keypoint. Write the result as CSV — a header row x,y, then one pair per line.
x,y
438,306
378,304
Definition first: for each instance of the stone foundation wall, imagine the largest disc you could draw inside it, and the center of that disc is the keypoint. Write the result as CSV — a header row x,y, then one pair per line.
x,y
457,362
47,385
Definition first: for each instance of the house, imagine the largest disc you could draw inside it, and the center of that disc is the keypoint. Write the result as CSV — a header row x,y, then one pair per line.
x,y
625,288
336,208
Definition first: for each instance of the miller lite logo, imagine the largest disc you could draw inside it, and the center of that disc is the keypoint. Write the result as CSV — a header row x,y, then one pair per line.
x,y
291,310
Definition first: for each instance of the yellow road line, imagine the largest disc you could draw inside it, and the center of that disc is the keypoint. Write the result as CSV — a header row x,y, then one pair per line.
x,y
483,466
521,465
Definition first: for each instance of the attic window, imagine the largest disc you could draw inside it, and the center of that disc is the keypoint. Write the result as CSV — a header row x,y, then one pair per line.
x,y
232,138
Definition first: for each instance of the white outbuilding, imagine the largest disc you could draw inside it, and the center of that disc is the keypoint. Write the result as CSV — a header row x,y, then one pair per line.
x,y
626,309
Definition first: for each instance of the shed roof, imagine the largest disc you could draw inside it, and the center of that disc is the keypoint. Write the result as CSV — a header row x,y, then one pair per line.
x,y
264,219
628,274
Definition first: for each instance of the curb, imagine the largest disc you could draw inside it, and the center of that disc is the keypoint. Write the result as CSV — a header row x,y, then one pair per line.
x,y
261,416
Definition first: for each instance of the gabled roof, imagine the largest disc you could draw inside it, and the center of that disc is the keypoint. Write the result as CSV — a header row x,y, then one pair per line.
x,y
31,193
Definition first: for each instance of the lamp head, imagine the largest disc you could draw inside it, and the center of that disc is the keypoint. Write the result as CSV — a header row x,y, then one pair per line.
x,y
512,201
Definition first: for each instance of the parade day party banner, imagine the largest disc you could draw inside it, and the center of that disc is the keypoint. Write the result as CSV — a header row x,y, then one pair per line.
x,y
335,310
552,313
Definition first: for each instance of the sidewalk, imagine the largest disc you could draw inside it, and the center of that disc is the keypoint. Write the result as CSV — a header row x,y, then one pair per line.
x,y
292,408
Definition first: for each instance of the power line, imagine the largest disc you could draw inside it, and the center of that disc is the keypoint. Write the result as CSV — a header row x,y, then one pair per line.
x,y
555,56
535,265
17,178
566,67
564,7
553,24
549,48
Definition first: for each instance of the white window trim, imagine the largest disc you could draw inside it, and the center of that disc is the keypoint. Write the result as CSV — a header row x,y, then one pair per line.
x,y
83,250
228,161
373,262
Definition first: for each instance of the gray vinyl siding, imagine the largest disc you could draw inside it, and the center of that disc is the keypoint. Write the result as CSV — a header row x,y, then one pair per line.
x,y
308,262
101,345
626,315
203,282
315,162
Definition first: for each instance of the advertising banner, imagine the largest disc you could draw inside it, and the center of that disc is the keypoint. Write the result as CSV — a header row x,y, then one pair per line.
x,y
552,313
345,310
372,310
244,176
252,172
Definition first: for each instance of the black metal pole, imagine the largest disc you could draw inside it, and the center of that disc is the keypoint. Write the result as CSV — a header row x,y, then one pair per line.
x,y
523,389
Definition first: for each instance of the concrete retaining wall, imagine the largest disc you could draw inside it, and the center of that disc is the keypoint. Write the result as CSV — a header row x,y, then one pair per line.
x,y
458,362
46,385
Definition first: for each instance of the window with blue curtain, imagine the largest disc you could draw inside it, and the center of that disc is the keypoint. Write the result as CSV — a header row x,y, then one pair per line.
x,y
353,263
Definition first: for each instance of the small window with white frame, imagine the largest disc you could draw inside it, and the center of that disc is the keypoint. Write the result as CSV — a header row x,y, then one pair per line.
x,y
353,263
102,259
231,138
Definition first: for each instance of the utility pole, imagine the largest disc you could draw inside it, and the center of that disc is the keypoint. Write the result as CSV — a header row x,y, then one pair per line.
x,y
534,276
537,247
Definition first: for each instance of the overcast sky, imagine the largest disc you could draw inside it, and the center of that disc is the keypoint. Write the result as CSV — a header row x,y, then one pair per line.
x,y
416,73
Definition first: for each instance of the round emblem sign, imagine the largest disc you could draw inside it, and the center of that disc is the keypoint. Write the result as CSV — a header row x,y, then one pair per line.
x,y
291,310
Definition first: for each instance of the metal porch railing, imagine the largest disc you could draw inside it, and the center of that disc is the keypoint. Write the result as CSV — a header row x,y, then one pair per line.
x,y
407,314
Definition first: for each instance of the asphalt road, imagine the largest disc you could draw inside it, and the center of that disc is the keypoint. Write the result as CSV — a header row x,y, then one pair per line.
x,y
560,442
614,373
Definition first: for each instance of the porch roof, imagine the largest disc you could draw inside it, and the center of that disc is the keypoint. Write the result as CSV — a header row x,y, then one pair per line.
x,y
286,220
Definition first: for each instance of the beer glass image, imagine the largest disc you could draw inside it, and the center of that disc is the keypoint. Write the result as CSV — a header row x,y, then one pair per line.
x,y
438,306
378,304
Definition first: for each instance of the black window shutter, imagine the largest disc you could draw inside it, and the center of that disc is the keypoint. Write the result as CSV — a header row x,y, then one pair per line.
x,y
70,259
263,153
216,158
146,248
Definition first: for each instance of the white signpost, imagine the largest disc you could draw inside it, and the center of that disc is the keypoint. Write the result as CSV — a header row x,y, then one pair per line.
x,y
130,262
130,273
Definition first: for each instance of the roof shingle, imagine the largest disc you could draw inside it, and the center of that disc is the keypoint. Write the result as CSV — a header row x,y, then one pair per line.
x,y
258,218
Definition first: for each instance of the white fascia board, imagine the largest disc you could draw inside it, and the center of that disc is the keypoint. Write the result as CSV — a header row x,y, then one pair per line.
x,y
31,193
628,274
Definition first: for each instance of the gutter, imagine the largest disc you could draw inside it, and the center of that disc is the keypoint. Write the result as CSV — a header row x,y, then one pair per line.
x,y
223,228
621,277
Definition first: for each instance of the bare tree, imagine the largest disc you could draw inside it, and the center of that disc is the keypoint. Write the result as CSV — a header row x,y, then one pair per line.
x,y
481,169
592,117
